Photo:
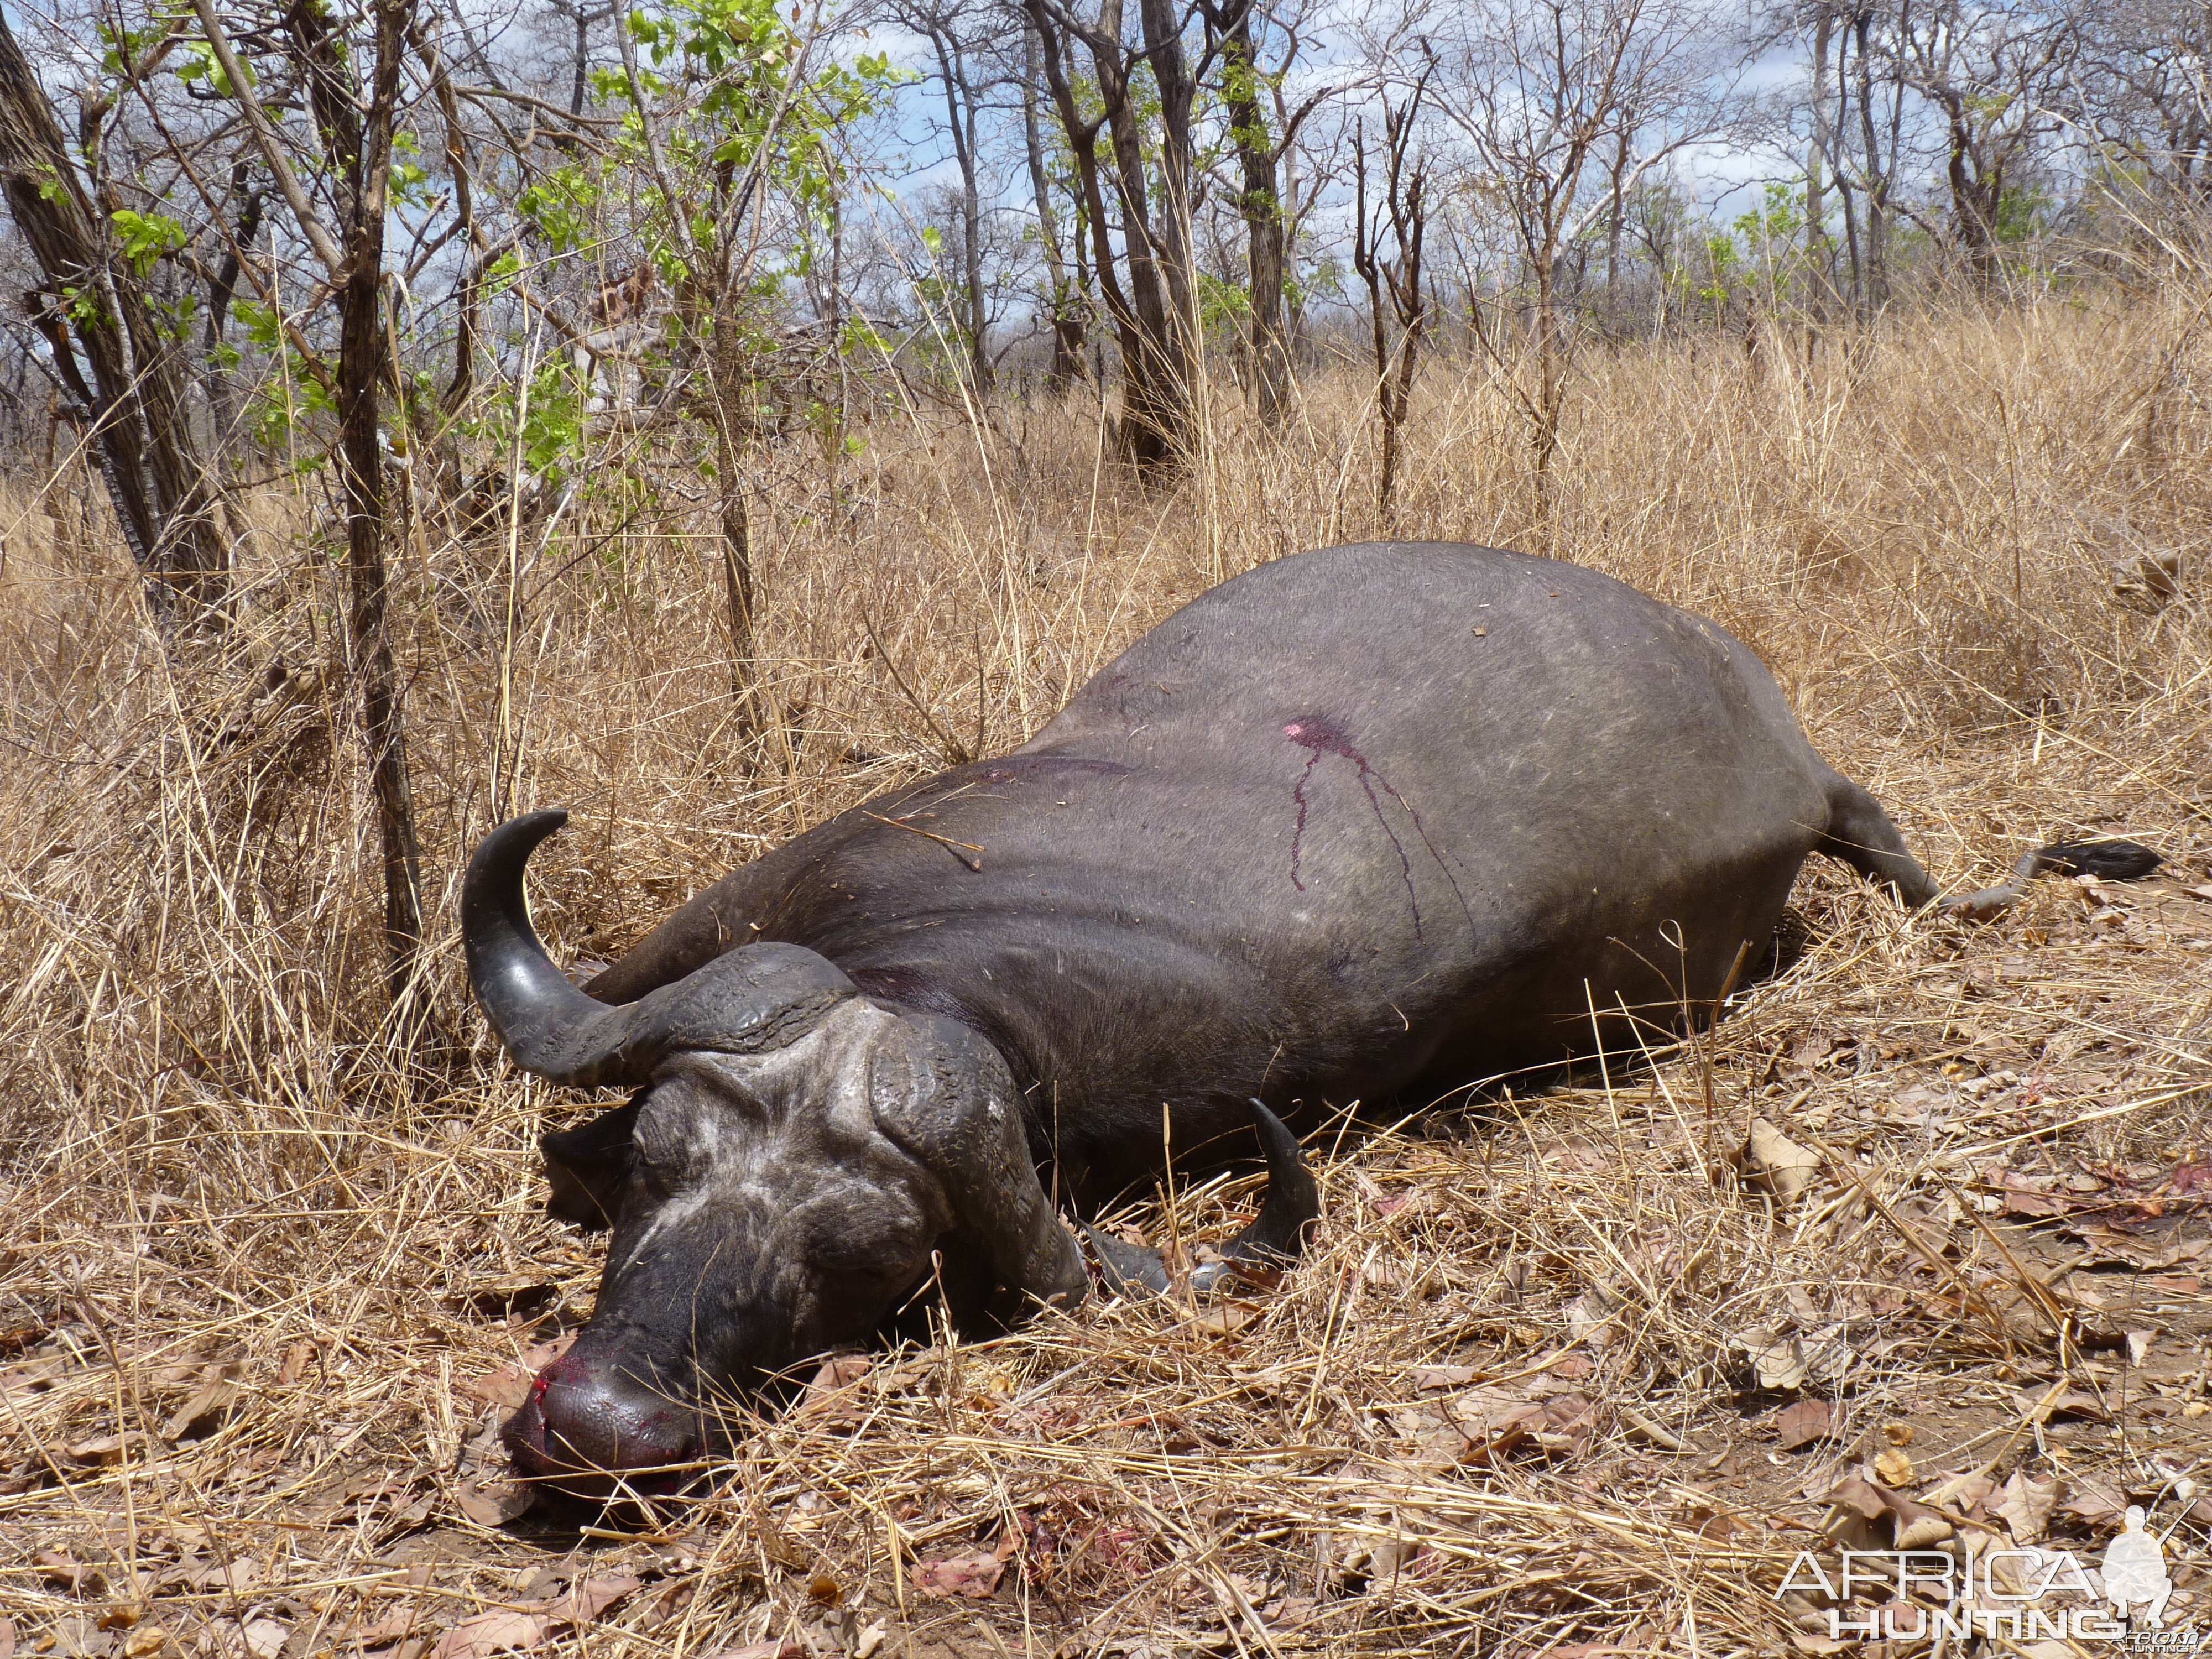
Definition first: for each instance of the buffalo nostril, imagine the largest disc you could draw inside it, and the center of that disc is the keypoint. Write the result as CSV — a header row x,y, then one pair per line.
x,y
583,1429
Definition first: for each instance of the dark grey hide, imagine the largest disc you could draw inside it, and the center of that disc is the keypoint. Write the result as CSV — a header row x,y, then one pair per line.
x,y
1376,822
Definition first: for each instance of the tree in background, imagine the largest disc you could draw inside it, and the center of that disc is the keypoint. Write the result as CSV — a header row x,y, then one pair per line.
x,y
347,73
121,367
1149,284
1396,300
1263,127
956,30
2002,79
1067,285
2145,71
1565,106
729,113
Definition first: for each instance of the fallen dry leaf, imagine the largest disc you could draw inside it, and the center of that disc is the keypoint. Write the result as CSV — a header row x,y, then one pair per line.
x,y
500,1630
2094,1500
1224,1319
1430,1377
2025,1506
522,1629
1484,1422
1777,1164
834,1376
1803,1421
976,1577
1589,1317
1898,1434
590,1597
1632,1645
297,1359
2069,1403
509,1386
235,1576
393,1627
1894,1467
1912,1526
209,1403
1784,1364
103,1451
1370,1560
64,1571
1965,1493
492,1502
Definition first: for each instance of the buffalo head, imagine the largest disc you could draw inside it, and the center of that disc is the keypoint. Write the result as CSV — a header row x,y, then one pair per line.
x,y
796,1159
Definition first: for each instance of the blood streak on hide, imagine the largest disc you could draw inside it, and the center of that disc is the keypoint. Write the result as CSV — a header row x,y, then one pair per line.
x,y
1319,735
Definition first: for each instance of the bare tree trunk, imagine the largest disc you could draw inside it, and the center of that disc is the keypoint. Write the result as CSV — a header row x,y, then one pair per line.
x,y
1163,22
1396,280
133,409
1156,379
1615,212
358,149
1974,195
1877,183
1064,301
729,374
579,82
222,407
1264,229
961,110
1844,190
1551,374
1818,254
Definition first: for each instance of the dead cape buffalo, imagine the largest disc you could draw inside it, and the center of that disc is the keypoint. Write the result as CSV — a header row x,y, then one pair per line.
x,y
1376,822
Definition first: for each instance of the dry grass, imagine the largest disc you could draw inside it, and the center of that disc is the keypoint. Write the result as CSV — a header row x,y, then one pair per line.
x,y
261,1285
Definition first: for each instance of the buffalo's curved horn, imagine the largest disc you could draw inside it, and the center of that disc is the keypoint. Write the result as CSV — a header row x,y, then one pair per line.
x,y
550,1026
760,997
1273,1239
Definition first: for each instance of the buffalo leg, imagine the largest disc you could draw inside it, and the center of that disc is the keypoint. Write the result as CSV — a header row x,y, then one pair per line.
x,y
1273,1239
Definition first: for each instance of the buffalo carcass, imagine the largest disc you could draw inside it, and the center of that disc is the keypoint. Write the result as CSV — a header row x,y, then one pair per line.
x,y
1379,821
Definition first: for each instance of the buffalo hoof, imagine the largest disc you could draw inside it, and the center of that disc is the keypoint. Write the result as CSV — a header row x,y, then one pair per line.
x,y
593,1434
1270,1245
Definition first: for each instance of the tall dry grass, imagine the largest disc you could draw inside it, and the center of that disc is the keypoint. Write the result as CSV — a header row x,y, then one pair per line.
x,y
217,1153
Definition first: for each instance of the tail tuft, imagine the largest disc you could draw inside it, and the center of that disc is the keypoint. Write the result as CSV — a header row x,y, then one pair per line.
x,y
2108,860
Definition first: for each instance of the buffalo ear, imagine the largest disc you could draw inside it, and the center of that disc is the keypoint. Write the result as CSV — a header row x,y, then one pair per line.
x,y
588,1166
